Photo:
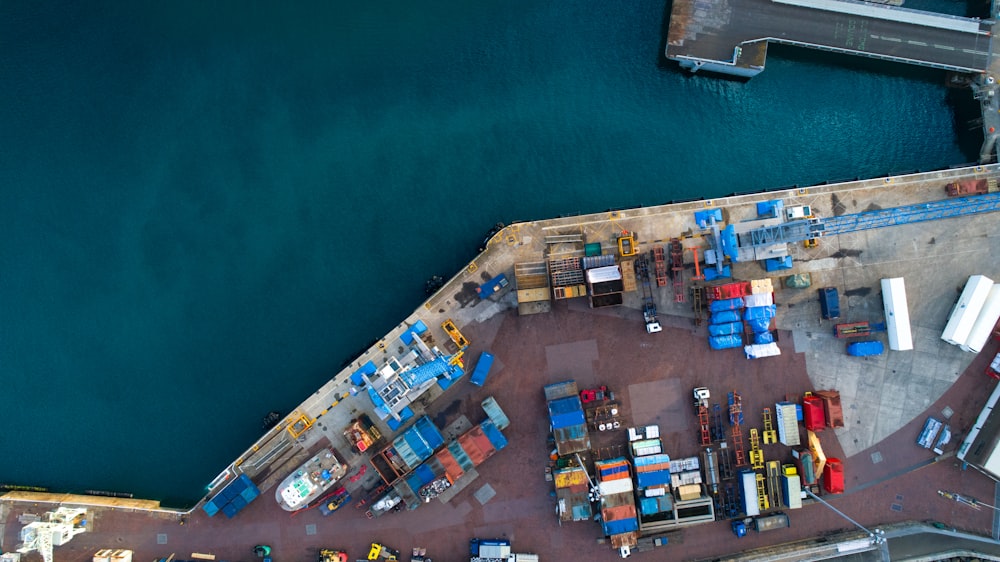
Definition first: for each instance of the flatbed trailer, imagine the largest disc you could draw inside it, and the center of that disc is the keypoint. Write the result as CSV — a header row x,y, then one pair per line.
x,y
857,329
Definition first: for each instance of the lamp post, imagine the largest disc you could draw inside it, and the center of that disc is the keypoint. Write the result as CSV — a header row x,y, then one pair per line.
x,y
877,536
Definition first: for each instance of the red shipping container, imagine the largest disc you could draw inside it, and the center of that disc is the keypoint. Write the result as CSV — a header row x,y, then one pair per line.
x,y
833,476
813,413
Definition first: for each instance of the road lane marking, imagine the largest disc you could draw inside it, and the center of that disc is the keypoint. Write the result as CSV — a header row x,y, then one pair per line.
x,y
918,43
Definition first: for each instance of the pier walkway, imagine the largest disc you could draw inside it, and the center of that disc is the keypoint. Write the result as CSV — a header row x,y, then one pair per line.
x,y
731,36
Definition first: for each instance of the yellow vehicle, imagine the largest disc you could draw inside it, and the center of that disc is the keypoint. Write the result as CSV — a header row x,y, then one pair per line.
x,y
381,551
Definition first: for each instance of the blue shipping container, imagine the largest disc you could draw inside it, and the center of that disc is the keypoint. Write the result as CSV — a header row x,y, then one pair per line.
x,y
210,508
493,434
482,369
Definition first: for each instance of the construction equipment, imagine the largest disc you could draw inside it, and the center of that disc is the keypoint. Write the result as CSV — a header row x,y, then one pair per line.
x,y
660,266
774,482
329,555
701,396
857,329
381,551
648,304
452,330
717,429
626,244
756,455
770,435
677,269
762,500
736,421
55,529
598,394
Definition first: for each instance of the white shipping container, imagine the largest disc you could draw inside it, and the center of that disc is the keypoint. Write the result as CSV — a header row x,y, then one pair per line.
x,y
792,489
987,319
897,314
748,487
967,309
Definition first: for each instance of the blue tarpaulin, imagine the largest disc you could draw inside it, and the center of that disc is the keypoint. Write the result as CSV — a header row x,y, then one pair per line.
x,y
702,217
763,337
725,342
759,312
759,325
711,274
404,415
725,304
865,348
725,317
725,329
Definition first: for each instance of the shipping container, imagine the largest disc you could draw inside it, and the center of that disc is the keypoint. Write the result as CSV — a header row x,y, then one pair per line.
x,y
495,413
806,466
831,406
897,314
813,413
748,491
493,286
482,369
729,290
966,310
985,322
791,490
833,476
829,303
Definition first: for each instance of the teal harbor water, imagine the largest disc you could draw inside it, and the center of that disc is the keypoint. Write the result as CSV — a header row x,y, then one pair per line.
x,y
207,208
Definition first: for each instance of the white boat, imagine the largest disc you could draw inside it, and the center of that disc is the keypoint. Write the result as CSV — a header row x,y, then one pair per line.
x,y
308,482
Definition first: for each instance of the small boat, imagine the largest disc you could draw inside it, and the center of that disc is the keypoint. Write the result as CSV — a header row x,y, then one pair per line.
x,y
271,420
308,482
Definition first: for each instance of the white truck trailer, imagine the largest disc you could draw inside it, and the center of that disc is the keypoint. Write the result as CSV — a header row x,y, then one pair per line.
x,y
897,314
967,309
987,319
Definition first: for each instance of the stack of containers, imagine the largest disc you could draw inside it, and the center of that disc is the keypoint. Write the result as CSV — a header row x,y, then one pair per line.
x,y
233,498
725,330
652,471
618,511
470,450
759,316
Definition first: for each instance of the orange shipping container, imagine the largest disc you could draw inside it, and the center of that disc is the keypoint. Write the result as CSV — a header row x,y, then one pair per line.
x,y
451,467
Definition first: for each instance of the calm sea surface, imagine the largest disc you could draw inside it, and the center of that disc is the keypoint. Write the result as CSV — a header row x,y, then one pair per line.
x,y
207,207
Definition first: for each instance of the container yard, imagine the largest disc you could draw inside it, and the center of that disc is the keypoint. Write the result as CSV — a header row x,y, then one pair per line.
x,y
744,408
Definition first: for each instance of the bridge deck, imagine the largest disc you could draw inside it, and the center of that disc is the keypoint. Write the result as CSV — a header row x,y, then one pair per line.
x,y
736,32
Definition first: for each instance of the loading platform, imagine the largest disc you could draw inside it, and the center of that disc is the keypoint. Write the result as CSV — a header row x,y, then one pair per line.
x,y
731,36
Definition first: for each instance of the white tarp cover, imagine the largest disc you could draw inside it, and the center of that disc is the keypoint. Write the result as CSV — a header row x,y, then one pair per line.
x,y
602,274
760,299
758,350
